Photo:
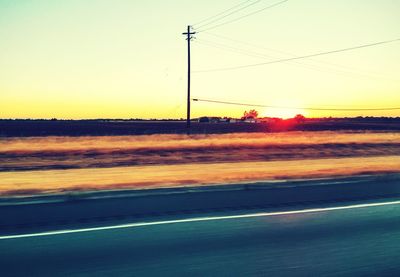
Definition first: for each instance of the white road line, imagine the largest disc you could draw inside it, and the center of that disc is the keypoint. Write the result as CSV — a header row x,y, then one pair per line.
x,y
213,218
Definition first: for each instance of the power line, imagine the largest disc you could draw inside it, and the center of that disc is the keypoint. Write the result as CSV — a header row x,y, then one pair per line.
x,y
222,15
293,108
241,17
320,67
345,68
299,57
241,51
253,54
245,43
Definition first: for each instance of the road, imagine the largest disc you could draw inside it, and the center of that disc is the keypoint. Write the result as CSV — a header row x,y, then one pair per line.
x,y
355,241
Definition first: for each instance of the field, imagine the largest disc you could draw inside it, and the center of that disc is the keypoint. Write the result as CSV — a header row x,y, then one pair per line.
x,y
23,128
54,164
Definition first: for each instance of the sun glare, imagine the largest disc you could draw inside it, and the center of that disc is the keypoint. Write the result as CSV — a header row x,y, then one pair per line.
x,y
284,108
281,113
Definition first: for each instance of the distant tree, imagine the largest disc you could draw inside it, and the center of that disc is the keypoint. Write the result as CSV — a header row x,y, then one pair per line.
x,y
250,114
204,119
300,118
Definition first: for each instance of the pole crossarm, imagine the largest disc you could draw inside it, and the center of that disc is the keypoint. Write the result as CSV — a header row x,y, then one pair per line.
x,y
189,34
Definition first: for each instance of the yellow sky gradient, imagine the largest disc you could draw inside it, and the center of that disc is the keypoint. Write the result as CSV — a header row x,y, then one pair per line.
x,y
127,59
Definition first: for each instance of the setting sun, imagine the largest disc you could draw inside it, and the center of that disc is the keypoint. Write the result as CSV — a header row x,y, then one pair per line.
x,y
284,109
283,113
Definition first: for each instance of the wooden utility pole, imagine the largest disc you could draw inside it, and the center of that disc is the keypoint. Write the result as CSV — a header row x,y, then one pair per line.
x,y
189,37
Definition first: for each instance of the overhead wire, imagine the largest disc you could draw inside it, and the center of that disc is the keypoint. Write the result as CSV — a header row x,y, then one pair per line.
x,y
244,42
223,14
345,67
220,16
283,52
299,57
320,67
294,108
199,30
260,55
232,49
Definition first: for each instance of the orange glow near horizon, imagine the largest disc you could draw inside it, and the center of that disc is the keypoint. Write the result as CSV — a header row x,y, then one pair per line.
x,y
285,109
282,113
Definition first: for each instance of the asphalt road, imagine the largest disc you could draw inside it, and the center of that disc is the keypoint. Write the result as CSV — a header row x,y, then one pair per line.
x,y
55,212
360,241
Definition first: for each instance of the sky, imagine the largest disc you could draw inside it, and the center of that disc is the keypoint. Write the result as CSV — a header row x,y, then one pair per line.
x,y
128,59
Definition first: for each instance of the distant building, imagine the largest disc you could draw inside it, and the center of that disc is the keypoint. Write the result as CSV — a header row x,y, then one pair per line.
x,y
216,119
250,120
228,120
204,119
209,119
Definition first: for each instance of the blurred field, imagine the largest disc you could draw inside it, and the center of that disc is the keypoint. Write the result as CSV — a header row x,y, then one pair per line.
x,y
40,153
142,177
59,164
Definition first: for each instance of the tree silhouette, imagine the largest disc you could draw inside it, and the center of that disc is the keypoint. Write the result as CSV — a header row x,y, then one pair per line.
x,y
300,118
250,114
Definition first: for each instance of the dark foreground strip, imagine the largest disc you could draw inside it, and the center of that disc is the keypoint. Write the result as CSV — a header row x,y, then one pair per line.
x,y
198,219
37,214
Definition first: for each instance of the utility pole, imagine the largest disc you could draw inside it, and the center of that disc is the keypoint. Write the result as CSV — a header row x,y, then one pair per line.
x,y
189,37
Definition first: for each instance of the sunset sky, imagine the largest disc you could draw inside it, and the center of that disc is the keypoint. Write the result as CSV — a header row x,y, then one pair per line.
x,y
127,59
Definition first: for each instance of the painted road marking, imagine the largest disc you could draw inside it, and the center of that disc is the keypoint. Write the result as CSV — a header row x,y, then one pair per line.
x,y
199,219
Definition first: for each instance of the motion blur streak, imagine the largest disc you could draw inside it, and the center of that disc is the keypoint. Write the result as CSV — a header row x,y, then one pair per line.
x,y
110,143
142,224
191,174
